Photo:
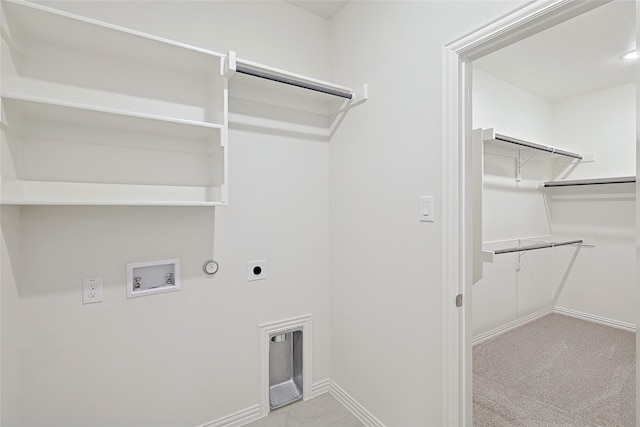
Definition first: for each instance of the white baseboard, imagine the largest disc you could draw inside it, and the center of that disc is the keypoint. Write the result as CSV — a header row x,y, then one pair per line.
x,y
367,418
559,310
321,387
236,419
596,319
511,325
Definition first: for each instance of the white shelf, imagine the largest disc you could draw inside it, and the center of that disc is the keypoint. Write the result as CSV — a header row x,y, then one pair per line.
x,y
29,21
97,114
60,111
17,192
267,84
260,70
491,137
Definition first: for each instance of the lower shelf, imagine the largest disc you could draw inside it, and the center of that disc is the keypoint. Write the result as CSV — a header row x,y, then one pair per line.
x,y
17,192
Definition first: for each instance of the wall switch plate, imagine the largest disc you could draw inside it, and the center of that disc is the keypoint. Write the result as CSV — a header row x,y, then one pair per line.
x,y
92,290
426,208
257,270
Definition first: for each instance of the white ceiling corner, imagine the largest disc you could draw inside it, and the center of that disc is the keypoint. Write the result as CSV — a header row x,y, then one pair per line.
x,y
322,8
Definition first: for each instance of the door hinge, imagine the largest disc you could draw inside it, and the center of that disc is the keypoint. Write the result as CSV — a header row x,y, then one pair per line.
x,y
459,300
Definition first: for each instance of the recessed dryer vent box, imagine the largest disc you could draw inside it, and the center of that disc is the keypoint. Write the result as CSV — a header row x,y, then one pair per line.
x,y
154,277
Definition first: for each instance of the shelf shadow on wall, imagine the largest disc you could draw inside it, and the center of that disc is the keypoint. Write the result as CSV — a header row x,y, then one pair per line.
x,y
565,276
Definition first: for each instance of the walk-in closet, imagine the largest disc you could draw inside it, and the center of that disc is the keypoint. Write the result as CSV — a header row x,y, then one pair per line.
x,y
555,311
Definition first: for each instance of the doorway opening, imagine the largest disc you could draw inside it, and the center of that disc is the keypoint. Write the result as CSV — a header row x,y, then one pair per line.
x,y
463,231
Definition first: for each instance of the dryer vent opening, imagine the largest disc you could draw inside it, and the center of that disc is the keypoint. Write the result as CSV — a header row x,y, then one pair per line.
x,y
285,368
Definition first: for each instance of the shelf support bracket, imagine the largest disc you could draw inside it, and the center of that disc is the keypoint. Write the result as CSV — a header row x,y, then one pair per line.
x,y
360,96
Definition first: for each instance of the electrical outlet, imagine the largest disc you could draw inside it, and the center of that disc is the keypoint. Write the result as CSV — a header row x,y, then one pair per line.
x,y
92,290
257,270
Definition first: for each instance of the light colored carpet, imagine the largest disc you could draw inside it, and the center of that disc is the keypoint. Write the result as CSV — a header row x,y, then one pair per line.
x,y
555,371
321,411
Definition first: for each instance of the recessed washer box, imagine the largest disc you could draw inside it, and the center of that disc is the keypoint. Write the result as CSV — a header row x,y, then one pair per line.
x,y
153,277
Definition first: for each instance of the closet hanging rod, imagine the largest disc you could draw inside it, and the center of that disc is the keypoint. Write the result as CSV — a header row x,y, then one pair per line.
x,y
535,146
596,181
292,82
537,246
233,64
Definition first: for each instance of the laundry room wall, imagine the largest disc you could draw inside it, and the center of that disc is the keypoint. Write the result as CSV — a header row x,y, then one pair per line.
x,y
190,357
10,344
386,265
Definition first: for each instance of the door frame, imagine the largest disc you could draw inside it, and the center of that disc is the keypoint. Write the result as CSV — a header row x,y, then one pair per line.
x,y
458,227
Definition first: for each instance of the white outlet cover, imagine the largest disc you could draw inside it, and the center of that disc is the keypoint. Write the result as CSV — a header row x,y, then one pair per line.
x,y
257,270
92,290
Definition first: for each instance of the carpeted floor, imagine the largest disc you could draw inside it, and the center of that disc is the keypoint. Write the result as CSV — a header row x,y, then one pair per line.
x,y
555,371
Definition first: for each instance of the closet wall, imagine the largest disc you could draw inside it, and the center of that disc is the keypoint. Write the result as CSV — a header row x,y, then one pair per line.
x,y
190,357
592,281
602,282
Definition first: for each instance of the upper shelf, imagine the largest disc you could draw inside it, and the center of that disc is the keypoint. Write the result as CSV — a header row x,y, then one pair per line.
x,y
28,21
490,136
316,96
235,64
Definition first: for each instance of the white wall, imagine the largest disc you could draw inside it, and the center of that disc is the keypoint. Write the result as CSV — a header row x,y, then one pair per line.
x,y
602,280
510,110
10,315
600,122
386,302
188,357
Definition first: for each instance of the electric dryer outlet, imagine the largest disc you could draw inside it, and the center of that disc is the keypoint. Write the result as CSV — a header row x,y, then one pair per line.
x,y
257,270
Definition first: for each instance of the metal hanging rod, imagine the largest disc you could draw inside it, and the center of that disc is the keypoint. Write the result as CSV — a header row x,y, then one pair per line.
x,y
537,246
292,82
236,65
535,146
596,181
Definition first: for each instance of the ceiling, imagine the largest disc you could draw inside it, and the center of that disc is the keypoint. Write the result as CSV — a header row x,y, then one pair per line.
x,y
577,56
323,8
